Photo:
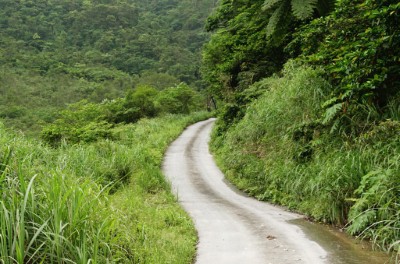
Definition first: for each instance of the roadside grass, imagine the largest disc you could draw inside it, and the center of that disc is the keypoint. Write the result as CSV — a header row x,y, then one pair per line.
x,y
46,214
159,231
280,152
105,202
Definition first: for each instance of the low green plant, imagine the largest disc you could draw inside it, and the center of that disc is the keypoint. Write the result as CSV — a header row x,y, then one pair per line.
x,y
375,213
80,122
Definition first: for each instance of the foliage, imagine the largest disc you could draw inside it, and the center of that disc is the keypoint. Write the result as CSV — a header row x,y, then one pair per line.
x,y
238,53
47,214
131,36
102,202
358,45
179,99
282,151
82,121
30,100
375,213
89,122
160,81
280,19
249,40
140,103
54,53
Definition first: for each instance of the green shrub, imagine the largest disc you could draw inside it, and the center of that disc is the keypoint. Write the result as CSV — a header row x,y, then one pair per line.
x,y
375,213
81,122
180,99
140,103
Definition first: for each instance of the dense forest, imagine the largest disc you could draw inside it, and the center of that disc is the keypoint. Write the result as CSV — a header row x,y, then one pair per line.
x,y
311,108
53,53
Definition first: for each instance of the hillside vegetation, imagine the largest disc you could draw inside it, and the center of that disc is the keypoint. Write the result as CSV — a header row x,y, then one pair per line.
x,y
53,53
105,202
91,94
311,108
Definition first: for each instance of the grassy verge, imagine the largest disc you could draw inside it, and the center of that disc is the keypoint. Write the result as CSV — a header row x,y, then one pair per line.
x,y
158,230
101,202
282,152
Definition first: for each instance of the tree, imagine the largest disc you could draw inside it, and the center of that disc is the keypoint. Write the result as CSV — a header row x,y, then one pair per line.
x,y
249,40
239,52
66,51
140,103
180,99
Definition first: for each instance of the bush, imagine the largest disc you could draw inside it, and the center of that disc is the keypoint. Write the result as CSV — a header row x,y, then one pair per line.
x,y
81,122
180,99
140,103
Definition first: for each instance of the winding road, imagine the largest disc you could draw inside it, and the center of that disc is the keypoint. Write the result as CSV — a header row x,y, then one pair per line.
x,y
232,228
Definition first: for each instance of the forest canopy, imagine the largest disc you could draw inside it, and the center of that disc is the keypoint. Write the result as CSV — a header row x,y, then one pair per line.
x,y
53,52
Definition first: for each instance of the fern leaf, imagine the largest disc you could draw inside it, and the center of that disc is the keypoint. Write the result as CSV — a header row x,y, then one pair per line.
x,y
361,222
329,102
303,9
331,113
335,126
274,20
269,4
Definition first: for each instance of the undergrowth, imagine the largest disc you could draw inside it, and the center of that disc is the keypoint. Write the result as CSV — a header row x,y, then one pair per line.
x,y
104,202
283,151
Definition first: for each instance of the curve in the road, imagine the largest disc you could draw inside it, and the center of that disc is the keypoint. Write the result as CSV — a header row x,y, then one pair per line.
x,y
232,228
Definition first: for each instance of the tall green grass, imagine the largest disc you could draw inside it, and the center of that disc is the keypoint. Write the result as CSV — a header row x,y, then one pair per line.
x,y
282,152
46,214
105,202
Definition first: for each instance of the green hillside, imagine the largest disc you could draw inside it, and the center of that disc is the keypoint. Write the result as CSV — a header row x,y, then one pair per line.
x,y
310,108
53,53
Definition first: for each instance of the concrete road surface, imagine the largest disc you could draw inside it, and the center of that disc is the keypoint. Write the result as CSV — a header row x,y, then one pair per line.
x,y
232,228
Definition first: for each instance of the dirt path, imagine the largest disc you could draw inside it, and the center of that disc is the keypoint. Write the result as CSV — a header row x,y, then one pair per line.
x,y
232,228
